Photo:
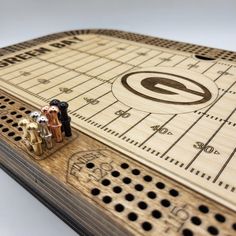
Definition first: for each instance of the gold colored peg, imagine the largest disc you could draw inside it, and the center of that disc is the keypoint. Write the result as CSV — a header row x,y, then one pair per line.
x,y
23,122
34,139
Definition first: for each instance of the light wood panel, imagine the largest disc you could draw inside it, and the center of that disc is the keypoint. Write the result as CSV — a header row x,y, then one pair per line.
x,y
129,101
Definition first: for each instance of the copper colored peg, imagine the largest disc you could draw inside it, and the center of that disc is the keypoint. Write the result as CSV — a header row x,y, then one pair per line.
x,y
55,124
44,111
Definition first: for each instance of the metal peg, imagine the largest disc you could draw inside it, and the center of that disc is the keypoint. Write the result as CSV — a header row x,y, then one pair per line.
x,y
55,124
34,139
23,122
45,134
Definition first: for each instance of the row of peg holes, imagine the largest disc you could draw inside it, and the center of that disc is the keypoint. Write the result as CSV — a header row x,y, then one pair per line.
x,y
8,120
132,216
218,217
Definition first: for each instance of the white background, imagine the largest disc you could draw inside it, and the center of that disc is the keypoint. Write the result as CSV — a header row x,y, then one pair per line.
x,y
204,22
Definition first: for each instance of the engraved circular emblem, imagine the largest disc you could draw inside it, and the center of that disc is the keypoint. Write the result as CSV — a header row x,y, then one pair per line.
x,y
165,90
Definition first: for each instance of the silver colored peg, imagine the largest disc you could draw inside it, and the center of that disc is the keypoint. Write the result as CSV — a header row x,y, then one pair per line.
x,y
45,134
34,115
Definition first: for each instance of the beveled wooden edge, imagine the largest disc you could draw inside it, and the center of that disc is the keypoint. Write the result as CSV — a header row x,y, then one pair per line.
x,y
46,202
28,179
203,51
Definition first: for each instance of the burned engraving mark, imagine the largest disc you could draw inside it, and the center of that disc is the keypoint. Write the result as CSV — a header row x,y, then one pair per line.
x,y
176,219
87,166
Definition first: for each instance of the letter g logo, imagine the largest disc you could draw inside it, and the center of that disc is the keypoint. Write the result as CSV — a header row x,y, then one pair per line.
x,y
165,90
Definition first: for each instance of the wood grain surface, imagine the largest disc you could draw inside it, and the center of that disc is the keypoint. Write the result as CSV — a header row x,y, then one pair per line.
x,y
103,185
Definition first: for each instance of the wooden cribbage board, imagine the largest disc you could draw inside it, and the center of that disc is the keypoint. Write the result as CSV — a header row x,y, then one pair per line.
x,y
153,145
